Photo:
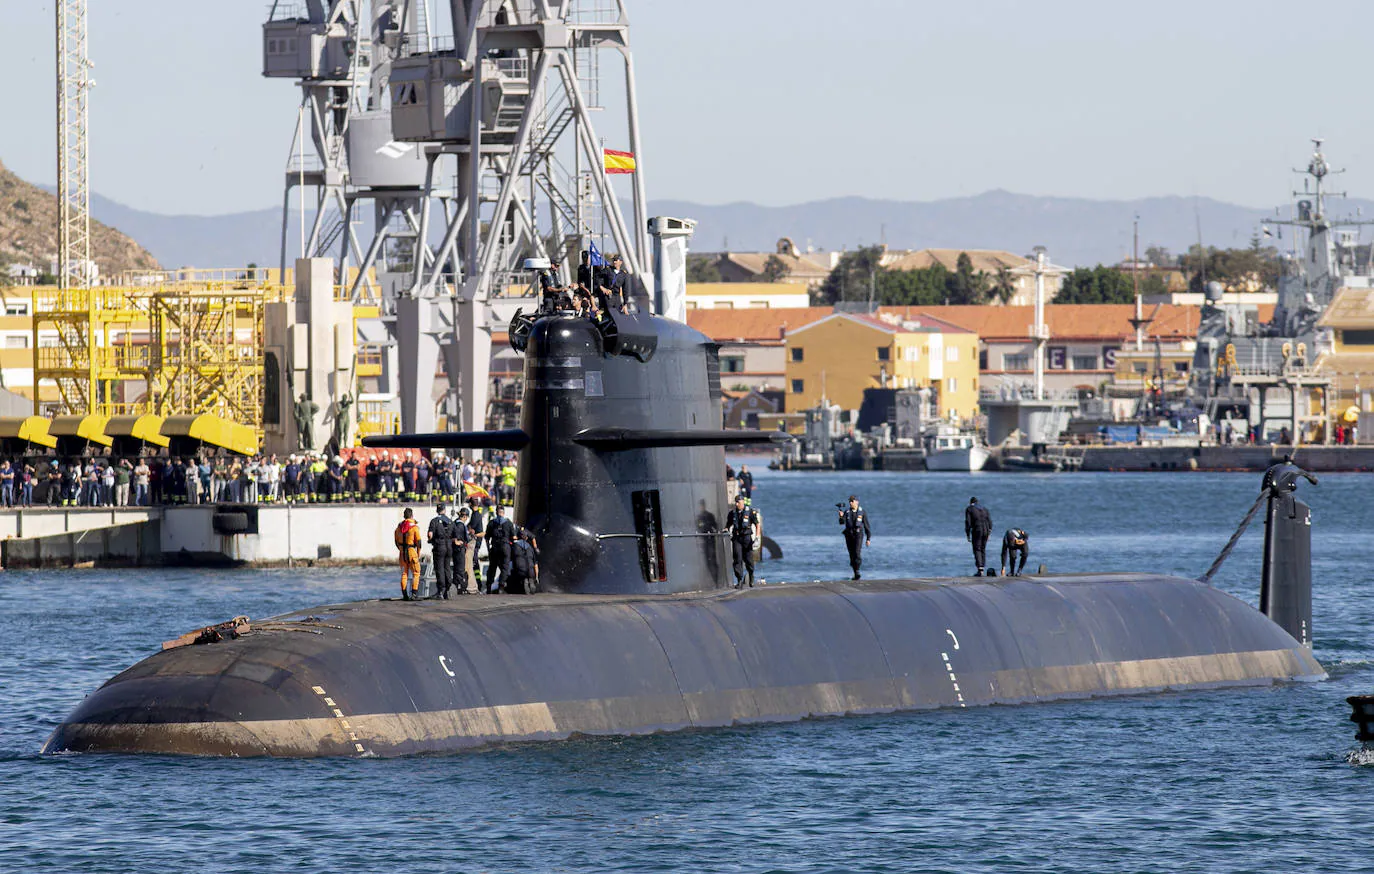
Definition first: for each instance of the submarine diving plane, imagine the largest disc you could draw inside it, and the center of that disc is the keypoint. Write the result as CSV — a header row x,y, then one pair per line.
x,y
634,629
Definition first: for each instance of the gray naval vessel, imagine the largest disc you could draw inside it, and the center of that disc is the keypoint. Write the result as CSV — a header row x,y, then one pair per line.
x,y
1238,359
635,629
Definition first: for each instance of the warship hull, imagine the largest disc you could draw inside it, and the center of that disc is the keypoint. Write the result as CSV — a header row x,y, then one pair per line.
x,y
391,678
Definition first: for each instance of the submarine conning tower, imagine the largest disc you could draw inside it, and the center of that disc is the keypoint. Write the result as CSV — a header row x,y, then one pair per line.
x,y
622,462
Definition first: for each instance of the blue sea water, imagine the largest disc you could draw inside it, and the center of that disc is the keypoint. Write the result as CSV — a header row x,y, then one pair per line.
x,y
1248,780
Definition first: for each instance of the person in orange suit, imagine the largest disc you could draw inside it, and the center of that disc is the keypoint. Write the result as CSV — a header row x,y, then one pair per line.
x,y
408,545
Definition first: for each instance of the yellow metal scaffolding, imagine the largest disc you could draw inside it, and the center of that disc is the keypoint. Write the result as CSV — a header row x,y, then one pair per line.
x,y
174,348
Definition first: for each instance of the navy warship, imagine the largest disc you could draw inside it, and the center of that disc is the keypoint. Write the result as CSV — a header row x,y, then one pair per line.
x,y
635,630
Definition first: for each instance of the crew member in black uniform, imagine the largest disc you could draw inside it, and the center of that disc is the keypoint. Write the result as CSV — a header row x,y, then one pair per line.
x,y
440,536
464,542
610,292
478,525
552,295
1013,542
524,564
500,533
978,528
743,525
583,301
746,481
857,534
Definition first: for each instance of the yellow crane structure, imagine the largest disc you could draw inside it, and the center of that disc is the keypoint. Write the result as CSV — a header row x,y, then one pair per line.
x,y
172,348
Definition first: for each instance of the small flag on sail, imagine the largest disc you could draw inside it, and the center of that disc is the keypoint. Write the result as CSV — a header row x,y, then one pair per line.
x,y
594,256
618,162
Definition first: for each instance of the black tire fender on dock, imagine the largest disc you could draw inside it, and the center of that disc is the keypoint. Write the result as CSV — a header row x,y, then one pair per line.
x,y
229,523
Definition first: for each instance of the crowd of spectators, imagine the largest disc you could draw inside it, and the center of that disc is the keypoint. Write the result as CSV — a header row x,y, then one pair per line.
x,y
363,476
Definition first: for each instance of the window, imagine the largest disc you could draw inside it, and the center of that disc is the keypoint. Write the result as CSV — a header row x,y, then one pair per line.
x,y
953,384
1085,362
798,386
17,308
758,304
17,341
1357,338
1139,367
1180,367
951,353
884,353
732,364
1016,362
911,353
798,354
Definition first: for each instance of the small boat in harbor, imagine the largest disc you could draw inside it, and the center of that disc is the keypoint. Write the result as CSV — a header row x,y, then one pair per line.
x,y
956,450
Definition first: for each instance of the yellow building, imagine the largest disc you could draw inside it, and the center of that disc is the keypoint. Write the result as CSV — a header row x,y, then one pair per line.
x,y
1350,360
839,356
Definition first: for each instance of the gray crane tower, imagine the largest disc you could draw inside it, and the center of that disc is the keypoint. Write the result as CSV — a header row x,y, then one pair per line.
x,y
493,125
507,104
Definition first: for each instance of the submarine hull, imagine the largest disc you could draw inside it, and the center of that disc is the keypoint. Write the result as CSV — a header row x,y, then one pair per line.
x,y
391,678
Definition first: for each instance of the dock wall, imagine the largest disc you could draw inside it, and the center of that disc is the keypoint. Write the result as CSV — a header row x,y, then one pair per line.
x,y
208,534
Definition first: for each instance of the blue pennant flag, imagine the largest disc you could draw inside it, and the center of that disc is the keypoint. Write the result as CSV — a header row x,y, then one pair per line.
x,y
595,256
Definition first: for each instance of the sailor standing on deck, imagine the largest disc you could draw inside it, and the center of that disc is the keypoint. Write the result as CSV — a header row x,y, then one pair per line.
x,y
464,545
500,533
857,534
743,525
478,525
978,528
440,537
1015,542
408,547
524,564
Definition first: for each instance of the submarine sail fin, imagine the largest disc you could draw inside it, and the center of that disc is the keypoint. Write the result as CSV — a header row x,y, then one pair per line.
x,y
621,439
511,439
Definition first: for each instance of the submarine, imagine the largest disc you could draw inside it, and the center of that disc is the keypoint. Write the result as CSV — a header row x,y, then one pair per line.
x,y
635,629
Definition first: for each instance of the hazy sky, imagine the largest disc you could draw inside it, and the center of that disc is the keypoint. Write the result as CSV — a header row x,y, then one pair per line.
x,y
744,101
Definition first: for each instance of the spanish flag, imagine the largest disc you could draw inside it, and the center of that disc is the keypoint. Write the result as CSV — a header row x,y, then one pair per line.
x,y
618,162
473,490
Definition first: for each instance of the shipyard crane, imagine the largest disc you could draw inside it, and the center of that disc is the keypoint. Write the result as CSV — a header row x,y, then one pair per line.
x,y
507,105
482,140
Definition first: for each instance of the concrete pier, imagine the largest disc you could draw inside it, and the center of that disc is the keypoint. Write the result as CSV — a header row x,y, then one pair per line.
x,y
206,534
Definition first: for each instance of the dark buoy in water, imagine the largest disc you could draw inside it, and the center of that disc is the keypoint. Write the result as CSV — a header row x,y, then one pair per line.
x,y
1362,714
635,629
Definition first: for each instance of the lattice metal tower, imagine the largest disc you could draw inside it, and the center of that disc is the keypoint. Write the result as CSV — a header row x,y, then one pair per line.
x,y
341,51
509,104
73,188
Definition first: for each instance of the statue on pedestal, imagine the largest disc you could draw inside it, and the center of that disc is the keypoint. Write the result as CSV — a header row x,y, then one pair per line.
x,y
305,422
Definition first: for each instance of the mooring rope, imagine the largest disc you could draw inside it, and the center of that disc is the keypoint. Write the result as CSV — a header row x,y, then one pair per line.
x,y
1231,544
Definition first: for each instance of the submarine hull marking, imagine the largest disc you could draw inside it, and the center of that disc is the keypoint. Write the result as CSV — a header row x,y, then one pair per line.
x,y
539,667
438,731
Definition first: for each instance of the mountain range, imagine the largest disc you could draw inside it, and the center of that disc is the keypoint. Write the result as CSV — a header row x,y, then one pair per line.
x,y
1075,231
